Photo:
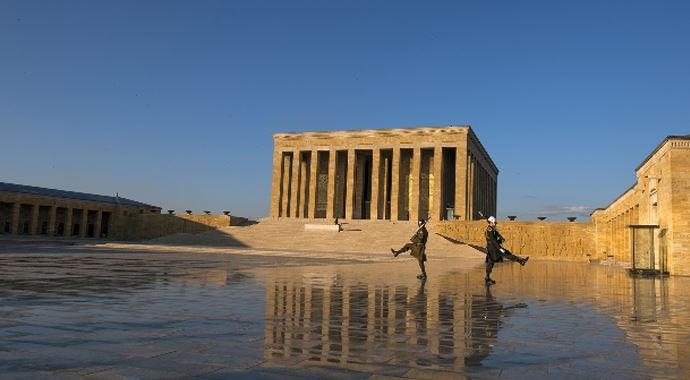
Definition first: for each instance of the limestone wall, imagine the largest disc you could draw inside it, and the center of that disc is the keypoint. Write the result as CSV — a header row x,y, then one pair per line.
x,y
567,241
151,226
679,255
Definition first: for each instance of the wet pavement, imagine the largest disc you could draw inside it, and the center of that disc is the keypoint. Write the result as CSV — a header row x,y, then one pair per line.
x,y
89,313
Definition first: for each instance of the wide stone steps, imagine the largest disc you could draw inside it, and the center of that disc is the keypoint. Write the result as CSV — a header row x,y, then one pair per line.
x,y
357,236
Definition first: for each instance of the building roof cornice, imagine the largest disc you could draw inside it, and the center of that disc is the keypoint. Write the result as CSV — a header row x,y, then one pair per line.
x,y
364,133
661,146
483,151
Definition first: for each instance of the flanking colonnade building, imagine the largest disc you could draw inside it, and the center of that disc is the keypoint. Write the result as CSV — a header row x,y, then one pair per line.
x,y
31,210
434,173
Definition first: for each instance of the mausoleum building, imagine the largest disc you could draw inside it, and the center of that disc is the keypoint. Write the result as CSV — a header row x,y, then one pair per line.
x,y
433,173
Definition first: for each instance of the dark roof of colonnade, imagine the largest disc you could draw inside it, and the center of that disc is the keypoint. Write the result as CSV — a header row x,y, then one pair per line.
x,y
42,191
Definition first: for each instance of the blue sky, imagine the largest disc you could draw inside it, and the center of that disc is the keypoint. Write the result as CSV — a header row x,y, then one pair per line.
x,y
174,103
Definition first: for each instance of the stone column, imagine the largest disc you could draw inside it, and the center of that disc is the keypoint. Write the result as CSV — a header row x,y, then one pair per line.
x,y
492,189
360,189
487,207
468,208
14,227
303,188
481,196
350,192
395,182
495,195
437,208
285,185
313,170
33,223
52,220
628,235
414,185
478,201
294,185
275,184
460,201
84,221
482,189
68,221
386,189
375,172
97,225
331,184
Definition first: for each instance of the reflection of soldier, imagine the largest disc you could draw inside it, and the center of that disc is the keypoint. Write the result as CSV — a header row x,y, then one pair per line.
x,y
417,247
486,314
418,305
494,252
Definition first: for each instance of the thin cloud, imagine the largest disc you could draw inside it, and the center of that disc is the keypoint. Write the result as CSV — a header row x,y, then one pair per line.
x,y
564,210
556,213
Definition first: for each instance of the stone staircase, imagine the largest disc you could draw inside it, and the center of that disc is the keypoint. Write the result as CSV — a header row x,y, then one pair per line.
x,y
357,236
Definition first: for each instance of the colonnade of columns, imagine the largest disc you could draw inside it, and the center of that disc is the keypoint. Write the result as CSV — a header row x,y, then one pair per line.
x,y
483,193
19,218
400,182
618,245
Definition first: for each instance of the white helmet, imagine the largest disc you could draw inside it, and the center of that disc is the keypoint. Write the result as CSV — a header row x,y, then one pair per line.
x,y
492,219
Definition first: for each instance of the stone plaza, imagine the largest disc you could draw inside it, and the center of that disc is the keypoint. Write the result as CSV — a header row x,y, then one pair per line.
x,y
94,312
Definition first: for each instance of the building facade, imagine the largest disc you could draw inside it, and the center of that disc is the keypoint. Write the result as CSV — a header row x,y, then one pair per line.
x,y
30,210
655,211
389,174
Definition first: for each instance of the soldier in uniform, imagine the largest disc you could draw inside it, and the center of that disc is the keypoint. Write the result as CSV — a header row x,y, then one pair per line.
x,y
417,247
494,252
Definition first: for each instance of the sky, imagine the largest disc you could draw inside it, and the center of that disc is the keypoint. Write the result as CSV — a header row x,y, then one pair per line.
x,y
174,103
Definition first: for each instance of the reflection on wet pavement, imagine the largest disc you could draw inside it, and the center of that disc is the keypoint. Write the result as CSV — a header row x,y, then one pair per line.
x,y
548,319
90,314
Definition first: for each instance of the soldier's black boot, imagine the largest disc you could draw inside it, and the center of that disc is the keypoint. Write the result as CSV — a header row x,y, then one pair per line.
x,y
524,261
421,276
395,253
489,281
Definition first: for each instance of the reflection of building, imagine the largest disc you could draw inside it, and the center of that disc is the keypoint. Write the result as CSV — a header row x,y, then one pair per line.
x,y
657,302
396,174
330,320
590,315
660,198
39,211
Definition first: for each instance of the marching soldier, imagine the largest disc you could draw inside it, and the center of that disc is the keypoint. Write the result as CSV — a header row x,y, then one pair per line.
x,y
417,247
495,252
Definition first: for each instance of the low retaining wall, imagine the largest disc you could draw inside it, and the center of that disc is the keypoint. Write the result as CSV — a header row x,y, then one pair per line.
x,y
559,240
151,226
